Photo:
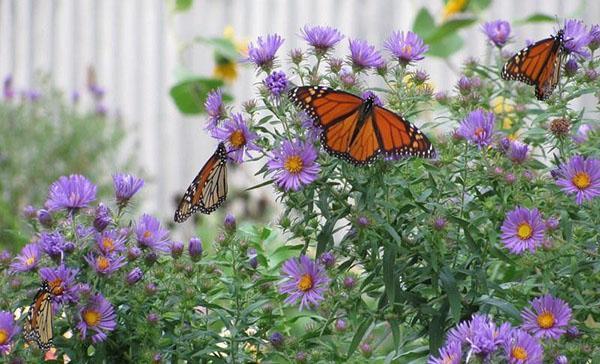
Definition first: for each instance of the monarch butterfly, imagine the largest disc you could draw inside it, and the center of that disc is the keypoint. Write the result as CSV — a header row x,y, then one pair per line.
x,y
358,130
38,327
538,64
208,190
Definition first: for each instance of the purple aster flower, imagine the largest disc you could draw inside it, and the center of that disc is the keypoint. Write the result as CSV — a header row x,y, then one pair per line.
x,y
70,193
522,348
83,231
61,281
306,282
110,242
364,55
293,165
97,315
571,67
103,217
276,83
497,32
277,339
440,223
478,127
548,319
371,95
7,90
581,136
214,108
176,249
580,176
126,185
561,359
195,248
523,229
451,353
44,217
134,276
322,38
340,325
311,130
327,259
8,330
347,78
552,223
594,37
407,47
482,335
238,137
576,37
151,235
53,244
27,259
105,265
517,152
263,54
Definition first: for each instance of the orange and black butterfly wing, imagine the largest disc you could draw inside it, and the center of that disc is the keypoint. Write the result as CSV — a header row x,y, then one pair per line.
x,y
399,138
538,64
38,329
208,190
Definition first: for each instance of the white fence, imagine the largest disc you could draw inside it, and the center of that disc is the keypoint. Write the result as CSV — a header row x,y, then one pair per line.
x,y
135,46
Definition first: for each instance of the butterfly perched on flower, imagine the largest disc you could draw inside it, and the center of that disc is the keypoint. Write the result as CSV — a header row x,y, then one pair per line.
x,y
38,326
358,130
538,64
208,190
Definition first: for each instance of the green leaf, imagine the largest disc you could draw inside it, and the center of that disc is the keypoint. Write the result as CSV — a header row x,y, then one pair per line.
x,y
424,23
183,5
503,306
223,47
447,47
360,332
189,95
448,29
389,264
536,18
436,329
451,288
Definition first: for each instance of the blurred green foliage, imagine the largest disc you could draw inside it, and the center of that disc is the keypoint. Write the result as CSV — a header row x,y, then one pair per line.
x,y
41,140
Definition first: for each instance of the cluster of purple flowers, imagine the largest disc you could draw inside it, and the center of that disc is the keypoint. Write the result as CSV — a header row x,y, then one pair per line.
x,y
481,337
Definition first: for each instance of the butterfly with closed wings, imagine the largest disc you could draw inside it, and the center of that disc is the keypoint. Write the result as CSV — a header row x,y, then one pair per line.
x,y
358,130
538,64
38,327
208,190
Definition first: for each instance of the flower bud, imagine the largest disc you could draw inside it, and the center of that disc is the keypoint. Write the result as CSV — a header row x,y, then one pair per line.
x,y
349,282
327,259
152,318
134,276
571,67
366,350
150,289
176,249
277,340
229,223
29,212
195,248
133,253
103,218
44,218
341,325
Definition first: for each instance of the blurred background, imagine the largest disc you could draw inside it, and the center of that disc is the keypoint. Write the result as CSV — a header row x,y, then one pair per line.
x,y
121,65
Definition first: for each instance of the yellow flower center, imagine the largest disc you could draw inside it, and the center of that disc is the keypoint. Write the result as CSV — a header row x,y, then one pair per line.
x,y
226,71
479,132
545,320
453,7
449,359
524,231
147,234
30,261
56,287
102,263
3,336
237,139
581,180
108,244
91,317
519,352
305,283
407,49
293,164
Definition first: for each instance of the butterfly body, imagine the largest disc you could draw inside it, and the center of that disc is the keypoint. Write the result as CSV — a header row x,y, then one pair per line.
x,y
208,190
38,329
538,65
359,130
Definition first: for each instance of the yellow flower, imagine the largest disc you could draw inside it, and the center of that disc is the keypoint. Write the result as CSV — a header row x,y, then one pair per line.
x,y
502,105
226,71
454,6
425,87
506,123
241,45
